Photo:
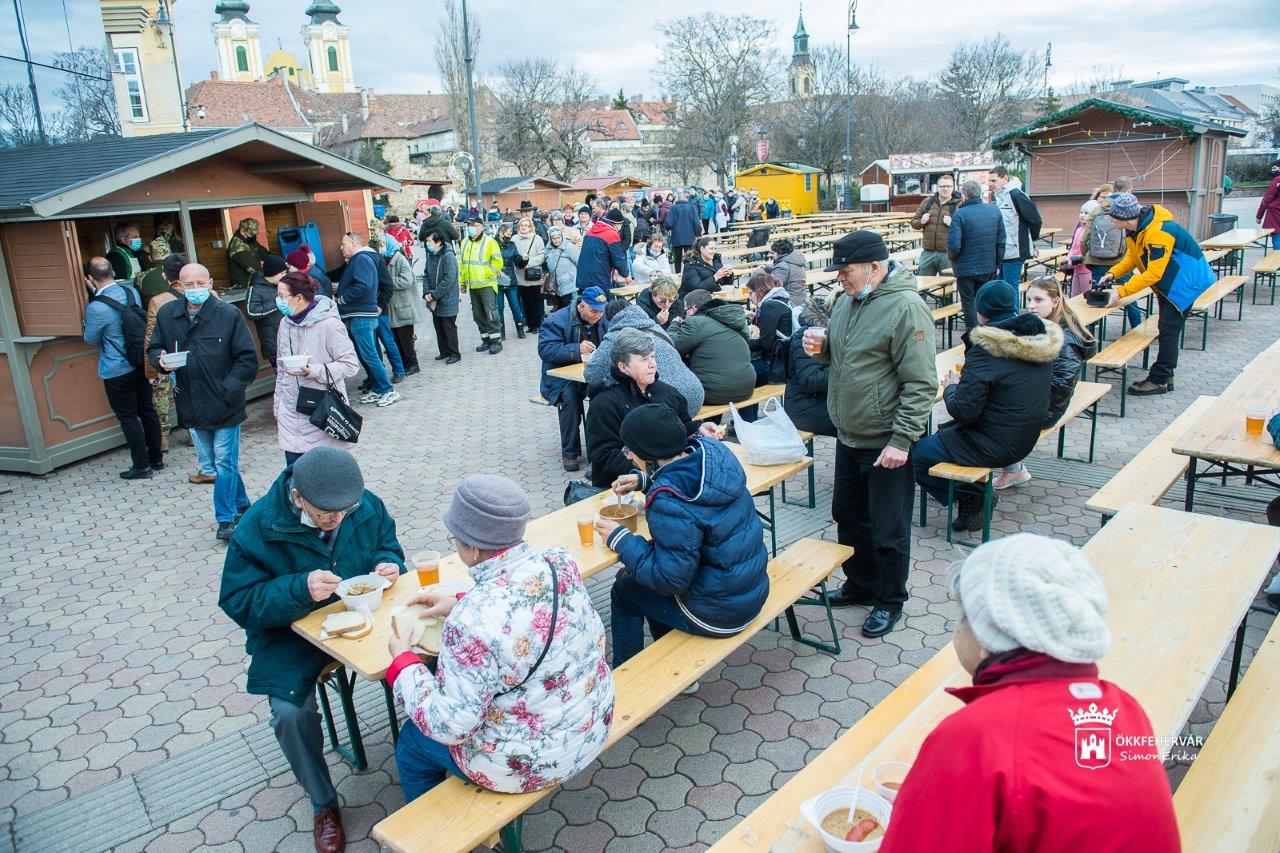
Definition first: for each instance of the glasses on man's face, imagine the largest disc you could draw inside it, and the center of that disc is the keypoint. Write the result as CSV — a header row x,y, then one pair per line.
x,y
331,513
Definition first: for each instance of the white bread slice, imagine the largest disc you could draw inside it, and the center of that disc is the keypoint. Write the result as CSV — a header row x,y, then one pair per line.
x,y
365,630
344,622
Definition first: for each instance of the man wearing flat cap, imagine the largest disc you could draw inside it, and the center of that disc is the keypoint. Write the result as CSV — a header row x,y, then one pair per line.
x,y
316,527
881,388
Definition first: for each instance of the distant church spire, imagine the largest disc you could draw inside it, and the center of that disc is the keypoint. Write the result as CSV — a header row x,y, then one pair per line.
x,y
800,73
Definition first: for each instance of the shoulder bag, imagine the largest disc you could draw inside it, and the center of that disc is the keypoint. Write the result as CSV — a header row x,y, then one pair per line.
x,y
551,630
334,415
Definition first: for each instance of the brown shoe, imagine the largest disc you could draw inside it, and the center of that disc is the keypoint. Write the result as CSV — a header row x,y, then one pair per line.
x,y
327,833
201,479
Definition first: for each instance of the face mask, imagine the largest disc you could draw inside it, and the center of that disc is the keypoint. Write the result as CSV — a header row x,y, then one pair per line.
x,y
196,295
866,291
135,243
473,233
432,249
282,305
653,253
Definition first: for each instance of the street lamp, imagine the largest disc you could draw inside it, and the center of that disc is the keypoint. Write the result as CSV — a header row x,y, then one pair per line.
x,y
733,160
469,59
848,118
164,25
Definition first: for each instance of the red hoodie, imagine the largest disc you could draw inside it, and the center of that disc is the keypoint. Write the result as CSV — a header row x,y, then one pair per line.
x,y
1006,773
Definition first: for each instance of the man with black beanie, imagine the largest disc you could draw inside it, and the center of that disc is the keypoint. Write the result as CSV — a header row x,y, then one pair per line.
x,y
261,306
881,388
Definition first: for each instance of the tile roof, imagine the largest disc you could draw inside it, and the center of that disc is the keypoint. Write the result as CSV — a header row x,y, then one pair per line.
x,y
228,103
610,125
500,185
656,112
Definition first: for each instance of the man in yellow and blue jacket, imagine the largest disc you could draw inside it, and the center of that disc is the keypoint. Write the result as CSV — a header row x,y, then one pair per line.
x,y
480,264
1169,261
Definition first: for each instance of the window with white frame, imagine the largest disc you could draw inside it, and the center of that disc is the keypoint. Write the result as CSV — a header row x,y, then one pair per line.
x,y
127,66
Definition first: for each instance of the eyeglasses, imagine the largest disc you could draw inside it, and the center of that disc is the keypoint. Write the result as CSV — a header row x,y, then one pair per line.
x,y
329,513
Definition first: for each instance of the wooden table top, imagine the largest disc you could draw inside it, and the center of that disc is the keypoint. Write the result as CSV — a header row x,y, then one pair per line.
x,y
628,291
1046,233
1089,315
1236,238
572,372
1219,433
368,656
1159,565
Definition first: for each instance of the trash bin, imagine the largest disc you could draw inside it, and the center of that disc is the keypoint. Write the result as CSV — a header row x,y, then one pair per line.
x,y
1221,223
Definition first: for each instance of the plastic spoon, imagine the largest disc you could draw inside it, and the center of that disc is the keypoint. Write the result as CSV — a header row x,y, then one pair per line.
x,y
857,789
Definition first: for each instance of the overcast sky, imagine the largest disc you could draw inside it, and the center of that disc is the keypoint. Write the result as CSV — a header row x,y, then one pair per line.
x,y
1209,43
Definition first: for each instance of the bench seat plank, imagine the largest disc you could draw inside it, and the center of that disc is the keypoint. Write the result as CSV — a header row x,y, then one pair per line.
x,y
1268,263
1217,292
758,397
1119,352
456,815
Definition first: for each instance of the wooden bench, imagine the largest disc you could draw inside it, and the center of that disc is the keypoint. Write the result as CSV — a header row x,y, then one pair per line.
x,y
1115,358
1264,271
946,314
1149,475
1211,300
1084,401
1230,798
456,815
758,396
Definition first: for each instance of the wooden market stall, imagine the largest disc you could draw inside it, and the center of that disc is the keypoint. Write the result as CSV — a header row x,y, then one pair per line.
x,y
1174,160
58,207
910,177
610,185
507,193
794,186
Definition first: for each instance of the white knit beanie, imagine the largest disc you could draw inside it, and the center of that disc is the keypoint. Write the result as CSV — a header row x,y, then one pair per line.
x,y
1036,593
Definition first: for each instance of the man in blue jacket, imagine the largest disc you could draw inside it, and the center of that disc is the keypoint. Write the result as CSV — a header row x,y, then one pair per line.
x,y
975,245
602,254
569,336
684,226
706,570
358,307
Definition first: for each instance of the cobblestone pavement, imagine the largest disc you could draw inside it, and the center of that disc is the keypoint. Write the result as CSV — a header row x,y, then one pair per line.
x,y
117,670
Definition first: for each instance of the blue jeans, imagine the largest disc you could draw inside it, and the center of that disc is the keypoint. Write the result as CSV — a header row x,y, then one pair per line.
x,y
388,340
512,296
927,453
229,496
1132,313
1275,241
204,457
632,604
422,762
1011,271
363,330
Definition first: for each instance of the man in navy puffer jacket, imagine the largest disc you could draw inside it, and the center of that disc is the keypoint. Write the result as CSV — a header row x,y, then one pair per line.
x,y
706,570
975,245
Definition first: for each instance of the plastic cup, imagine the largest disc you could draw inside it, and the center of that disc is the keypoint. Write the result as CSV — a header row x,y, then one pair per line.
x,y
174,360
821,335
889,777
586,530
427,565
1255,418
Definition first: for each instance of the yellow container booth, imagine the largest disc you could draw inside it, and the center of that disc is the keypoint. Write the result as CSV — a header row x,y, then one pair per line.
x,y
795,187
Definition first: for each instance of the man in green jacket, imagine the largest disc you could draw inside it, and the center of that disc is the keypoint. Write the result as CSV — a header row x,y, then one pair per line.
x,y
712,339
316,527
244,254
881,388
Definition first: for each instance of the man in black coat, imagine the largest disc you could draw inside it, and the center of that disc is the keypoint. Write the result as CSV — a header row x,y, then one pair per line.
x,y
437,220
998,402
216,361
975,245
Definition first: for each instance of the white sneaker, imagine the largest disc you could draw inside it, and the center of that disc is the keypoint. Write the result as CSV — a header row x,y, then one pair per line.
x,y
370,397
1006,479
388,398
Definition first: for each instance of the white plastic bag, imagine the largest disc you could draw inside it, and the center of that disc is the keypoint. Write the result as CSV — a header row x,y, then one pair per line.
x,y
771,440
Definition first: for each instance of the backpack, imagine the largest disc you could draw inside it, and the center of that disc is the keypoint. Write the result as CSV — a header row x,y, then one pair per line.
x,y
779,362
1105,240
133,326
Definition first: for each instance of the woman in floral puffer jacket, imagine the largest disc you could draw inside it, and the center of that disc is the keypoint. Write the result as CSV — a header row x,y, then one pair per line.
x,y
522,696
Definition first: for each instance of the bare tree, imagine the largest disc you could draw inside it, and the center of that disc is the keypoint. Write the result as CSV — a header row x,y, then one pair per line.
x,y
721,70
987,86
18,127
87,95
895,115
547,112
810,129
450,54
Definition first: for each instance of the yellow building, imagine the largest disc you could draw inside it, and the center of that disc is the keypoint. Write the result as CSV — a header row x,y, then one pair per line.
x,y
795,187
140,37
284,62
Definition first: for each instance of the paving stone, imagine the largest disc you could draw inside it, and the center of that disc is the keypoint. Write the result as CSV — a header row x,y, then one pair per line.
x,y
751,777
538,830
784,754
580,808
678,827
705,769
657,760
620,783
628,816
692,739
590,838
667,793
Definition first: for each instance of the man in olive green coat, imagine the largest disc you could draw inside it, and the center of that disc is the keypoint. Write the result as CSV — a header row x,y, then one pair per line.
x,y
712,339
244,254
317,526
881,389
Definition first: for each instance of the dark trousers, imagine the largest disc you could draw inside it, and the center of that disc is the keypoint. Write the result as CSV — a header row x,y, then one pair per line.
x,y
677,257
1168,340
633,603
404,343
569,410
131,402
929,452
300,735
446,335
872,510
268,334
967,287
531,302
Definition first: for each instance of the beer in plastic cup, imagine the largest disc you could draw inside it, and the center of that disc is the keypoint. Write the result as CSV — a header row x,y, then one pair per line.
x,y
427,564
821,335
1255,418
586,530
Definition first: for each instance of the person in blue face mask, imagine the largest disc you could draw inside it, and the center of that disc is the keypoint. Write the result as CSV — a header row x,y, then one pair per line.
x,y
206,344
126,257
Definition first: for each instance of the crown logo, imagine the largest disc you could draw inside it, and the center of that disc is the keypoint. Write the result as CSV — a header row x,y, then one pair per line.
x,y
1081,717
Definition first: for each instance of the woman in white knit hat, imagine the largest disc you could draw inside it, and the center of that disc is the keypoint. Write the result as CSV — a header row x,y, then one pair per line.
x,y
1044,756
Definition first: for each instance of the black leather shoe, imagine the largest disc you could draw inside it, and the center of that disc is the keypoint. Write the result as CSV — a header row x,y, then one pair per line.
x,y
843,599
520,331
440,358
495,348
880,622
484,346
412,371
225,529
136,474
453,359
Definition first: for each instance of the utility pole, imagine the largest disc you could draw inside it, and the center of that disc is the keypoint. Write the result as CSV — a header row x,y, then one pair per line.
x,y
471,105
31,71
848,117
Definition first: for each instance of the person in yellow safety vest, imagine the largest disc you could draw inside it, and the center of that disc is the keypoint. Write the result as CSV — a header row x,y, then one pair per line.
x,y
479,268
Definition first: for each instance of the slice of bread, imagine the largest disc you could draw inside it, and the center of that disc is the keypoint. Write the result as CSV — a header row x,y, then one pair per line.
x,y
345,622
363,631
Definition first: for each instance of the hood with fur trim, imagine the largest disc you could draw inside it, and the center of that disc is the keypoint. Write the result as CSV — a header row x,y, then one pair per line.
x,y
1024,337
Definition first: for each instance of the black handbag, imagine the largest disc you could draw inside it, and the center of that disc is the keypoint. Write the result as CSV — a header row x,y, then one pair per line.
x,y
335,416
308,399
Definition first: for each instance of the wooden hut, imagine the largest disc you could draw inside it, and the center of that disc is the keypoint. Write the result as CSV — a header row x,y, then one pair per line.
x,y
58,207
507,193
910,177
794,186
1174,160
610,185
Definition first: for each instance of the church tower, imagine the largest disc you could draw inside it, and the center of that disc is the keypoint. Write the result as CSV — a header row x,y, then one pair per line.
x,y
239,48
800,73
328,43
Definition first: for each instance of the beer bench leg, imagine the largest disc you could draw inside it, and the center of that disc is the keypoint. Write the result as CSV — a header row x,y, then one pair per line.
x,y
812,503
509,836
1235,657
834,646
346,686
391,711
770,521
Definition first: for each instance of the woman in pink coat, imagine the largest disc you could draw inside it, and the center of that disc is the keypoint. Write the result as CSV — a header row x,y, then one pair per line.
x,y
310,327
1269,208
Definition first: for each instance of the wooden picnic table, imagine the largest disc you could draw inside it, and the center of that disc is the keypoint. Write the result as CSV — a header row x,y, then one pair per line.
x,y
1236,238
1091,315
1159,567
578,373
628,291
1218,436
368,656
1048,234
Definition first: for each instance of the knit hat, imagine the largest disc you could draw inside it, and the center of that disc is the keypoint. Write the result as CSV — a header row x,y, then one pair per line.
x,y
1033,592
488,512
1124,206
1088,206
298,259
595,298
328,478
996,300
615,216
653,431
857,247
273,265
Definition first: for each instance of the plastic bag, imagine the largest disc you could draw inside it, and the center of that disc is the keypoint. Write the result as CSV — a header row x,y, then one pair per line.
x,y
771,440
